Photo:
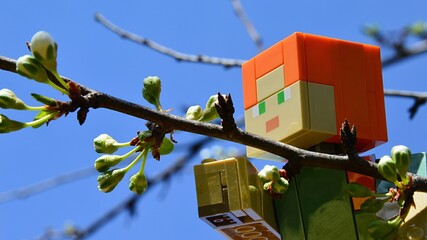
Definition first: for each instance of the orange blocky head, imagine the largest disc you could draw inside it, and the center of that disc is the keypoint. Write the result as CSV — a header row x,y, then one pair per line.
x,y
300,90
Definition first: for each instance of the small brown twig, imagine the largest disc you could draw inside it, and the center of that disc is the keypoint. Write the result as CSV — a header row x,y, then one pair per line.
x,y
349,139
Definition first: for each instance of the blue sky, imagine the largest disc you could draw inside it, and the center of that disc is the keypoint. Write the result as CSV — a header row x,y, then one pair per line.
x,y
94,57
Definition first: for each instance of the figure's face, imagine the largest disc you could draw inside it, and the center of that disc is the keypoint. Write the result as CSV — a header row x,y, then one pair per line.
x,y
300,91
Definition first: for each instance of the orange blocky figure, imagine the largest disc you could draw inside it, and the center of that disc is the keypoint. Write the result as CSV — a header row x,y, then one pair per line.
x,y
300,90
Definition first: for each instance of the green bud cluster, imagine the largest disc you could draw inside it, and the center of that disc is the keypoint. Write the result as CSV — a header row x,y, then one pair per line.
x,y
109,178
396,165
9,100
206,115
272,181
393,169
36,67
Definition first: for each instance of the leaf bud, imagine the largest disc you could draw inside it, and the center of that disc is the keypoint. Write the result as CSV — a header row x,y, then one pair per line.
x,y
44,49
45,100
8,99
107,181
210,113
105,144
105,162
194,112
29,67
138,183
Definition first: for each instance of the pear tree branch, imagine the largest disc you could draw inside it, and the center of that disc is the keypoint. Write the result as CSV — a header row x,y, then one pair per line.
x,y
168,122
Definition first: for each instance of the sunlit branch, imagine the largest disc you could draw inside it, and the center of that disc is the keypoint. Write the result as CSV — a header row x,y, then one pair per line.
x,y
168,122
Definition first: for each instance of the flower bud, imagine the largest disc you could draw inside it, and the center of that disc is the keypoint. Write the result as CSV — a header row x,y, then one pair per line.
x,y
105,144
105,162
151,90
269,173
8,99
210,113
402,156
107,181
29,67
138,183
280,186
358,190
8,125
166,147
387,168
194,112
44,49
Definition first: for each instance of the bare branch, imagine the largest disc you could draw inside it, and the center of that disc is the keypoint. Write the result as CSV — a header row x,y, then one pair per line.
x,y
226,62
420,99
47,184
250,28
406,52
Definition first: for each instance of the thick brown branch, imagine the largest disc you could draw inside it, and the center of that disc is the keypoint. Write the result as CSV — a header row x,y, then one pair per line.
x,y
226,62
168,122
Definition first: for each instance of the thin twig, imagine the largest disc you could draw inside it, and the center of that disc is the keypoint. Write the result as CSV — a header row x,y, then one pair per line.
x,y
47,184
420,98
226,62
407,52
250,28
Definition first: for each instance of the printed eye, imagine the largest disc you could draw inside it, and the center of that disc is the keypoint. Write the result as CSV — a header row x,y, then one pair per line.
x,y
258,109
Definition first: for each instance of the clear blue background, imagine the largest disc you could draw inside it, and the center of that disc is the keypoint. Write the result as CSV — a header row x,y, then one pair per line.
x,y
95,57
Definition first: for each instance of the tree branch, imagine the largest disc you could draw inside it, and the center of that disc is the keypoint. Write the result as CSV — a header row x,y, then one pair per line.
x,y
170,122
47,184
250,28
226,62
420,99
406,52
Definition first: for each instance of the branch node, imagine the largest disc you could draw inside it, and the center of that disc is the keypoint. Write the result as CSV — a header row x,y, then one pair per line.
x,y
349,139
225,110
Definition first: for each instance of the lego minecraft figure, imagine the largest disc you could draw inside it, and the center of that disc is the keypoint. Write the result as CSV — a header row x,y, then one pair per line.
x,y
300,90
